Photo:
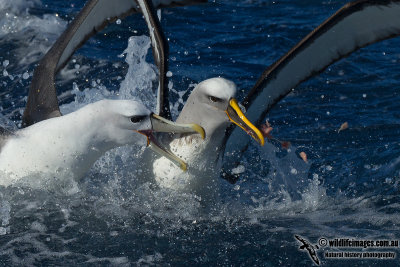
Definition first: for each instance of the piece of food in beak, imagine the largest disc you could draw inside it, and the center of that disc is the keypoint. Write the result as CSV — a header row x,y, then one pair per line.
x,y
162,125
236,116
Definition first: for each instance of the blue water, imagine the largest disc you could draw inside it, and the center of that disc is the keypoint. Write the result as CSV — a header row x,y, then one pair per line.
x,y
349,188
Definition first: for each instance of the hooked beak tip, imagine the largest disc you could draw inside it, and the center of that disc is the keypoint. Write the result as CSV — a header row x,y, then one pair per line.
x,y
237,117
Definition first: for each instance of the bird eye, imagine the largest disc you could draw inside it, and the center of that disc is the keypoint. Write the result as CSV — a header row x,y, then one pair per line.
x,y
139,118
214,99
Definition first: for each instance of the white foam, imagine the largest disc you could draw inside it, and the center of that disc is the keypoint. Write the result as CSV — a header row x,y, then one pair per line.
x,y
37,33
39,227
6,123
150,259
5,209
17,6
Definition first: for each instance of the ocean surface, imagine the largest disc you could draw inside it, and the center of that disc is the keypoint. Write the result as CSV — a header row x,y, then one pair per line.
x,y
348,189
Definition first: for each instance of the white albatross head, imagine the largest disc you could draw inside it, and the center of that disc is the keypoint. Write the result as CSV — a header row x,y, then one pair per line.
x,y
212,105
118,121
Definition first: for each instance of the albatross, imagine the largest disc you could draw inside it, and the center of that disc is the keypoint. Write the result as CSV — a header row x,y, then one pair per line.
x,y
355,25
213,105
67,146
54,145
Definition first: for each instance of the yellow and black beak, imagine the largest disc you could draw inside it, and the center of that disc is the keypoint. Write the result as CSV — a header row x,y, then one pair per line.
x,y
160,124
236,116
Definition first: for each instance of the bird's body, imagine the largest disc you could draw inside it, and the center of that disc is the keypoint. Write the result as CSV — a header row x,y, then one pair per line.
x,y
70,144
202,175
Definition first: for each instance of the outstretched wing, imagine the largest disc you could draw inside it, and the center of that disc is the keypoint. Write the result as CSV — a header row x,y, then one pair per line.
x,y
355,25
160,52
95,15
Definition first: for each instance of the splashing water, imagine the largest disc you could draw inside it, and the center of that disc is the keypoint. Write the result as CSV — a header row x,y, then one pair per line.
x,y
110,218
141,79
21,29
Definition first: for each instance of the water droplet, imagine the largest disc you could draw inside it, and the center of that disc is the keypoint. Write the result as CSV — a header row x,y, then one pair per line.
x,y
118,21
113,233
3,230
25,76
75,86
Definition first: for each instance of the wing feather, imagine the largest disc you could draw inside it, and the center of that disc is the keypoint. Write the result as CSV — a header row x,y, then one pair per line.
x,y
95,15
355,25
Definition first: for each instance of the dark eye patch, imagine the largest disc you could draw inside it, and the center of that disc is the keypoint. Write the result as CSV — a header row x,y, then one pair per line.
x,y
139,118
215,99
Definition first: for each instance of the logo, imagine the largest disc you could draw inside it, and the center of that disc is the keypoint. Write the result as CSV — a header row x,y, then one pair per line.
x,y
311,249
350,248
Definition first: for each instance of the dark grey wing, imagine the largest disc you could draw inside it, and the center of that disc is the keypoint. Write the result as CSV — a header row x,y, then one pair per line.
x,y
160,53
95,15
42,98
161,49
355,25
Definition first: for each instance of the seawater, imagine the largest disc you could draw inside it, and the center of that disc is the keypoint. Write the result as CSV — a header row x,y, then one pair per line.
x,y
349,188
